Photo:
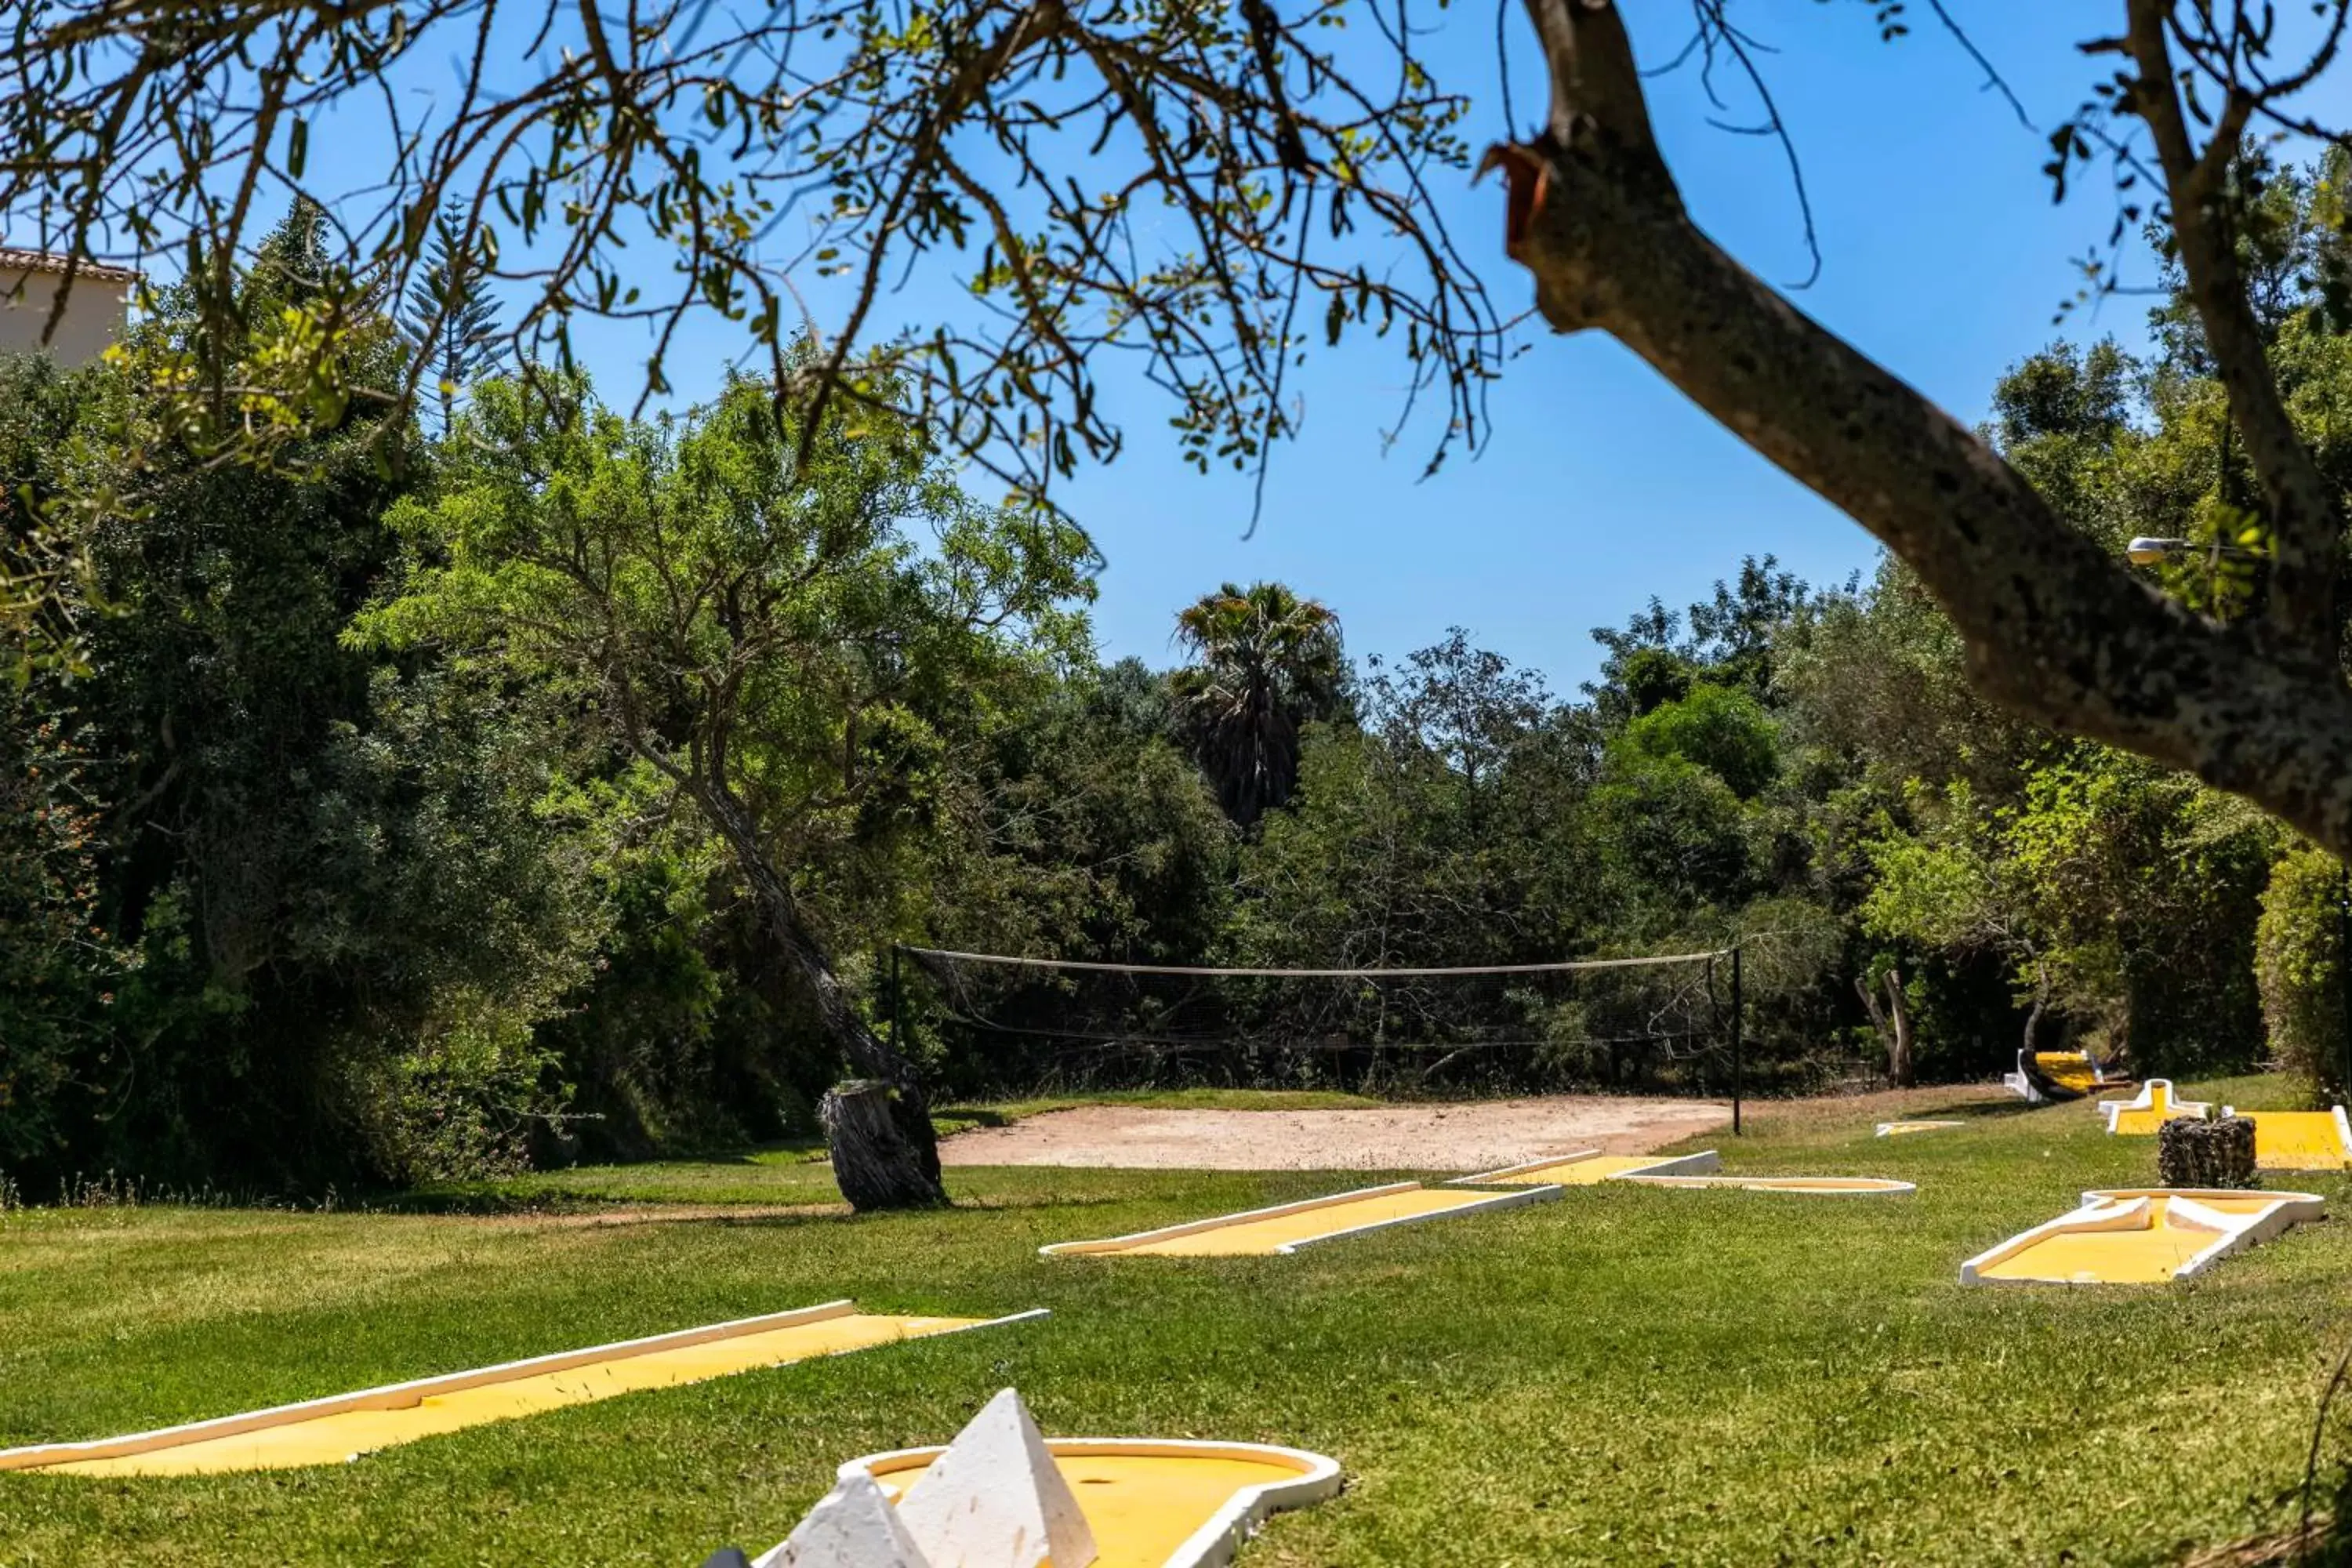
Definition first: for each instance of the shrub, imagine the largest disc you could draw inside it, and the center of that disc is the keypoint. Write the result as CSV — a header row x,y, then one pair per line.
x,y
2299,967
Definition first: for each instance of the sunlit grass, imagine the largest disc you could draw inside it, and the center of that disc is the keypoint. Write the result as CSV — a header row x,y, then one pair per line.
x,y
1619,1376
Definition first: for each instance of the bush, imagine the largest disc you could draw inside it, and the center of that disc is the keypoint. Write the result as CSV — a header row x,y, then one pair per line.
x,y
2299,967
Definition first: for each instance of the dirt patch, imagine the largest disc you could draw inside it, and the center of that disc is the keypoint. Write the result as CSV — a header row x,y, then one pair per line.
x,y
1474,1136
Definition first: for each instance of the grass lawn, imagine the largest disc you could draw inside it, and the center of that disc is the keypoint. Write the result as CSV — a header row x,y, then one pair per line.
x,y
1623,1376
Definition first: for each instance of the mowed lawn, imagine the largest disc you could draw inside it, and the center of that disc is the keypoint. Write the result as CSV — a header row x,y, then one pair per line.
x,y
1623,1376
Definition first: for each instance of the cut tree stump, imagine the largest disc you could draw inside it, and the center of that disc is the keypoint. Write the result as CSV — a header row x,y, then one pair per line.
x,y
2206,1153
874,1164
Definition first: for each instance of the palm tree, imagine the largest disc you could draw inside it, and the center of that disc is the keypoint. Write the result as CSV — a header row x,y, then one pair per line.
x,y
1265,662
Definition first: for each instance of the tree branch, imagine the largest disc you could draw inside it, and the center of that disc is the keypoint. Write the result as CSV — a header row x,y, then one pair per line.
x,y
2056,630
2306,530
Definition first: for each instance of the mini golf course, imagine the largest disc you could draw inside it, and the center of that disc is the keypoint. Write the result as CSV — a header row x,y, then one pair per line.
x,y
1603,1324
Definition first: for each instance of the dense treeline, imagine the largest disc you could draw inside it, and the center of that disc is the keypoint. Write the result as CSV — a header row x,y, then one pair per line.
x,y
561,782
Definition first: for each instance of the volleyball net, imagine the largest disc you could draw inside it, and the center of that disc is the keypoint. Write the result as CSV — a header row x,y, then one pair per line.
x,y
1662,1023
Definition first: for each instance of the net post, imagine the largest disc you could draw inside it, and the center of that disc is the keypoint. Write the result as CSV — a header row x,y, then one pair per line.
x,y
898,1037
1738,1073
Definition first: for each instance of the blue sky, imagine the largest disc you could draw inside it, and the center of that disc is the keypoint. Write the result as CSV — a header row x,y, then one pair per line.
x,y
1943,258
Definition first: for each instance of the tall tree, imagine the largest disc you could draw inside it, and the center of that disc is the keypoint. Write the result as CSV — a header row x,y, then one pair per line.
x,y
449,313
1265,662
766,636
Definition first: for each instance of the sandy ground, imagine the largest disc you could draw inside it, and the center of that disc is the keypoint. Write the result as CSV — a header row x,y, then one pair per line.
x,y
1474,1136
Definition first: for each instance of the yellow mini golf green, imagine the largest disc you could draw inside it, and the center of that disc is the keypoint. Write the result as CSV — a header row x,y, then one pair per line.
x,y
1589,1167
2141,1236
2299,1139
1286,1228
345,1426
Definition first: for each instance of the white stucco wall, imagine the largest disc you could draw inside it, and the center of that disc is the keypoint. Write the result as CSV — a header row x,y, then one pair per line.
x,y
95,313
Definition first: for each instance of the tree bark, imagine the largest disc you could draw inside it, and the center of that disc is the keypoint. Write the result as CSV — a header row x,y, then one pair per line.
x,y
1893,1023
2056,630
871,1162
1899,1064
915,1151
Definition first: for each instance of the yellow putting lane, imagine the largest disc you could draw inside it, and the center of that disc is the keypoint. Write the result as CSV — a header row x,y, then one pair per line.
x,y
1286,1228
2146,1236
1158,1504
1824,1186
2299,1139
344,1426
1588,1167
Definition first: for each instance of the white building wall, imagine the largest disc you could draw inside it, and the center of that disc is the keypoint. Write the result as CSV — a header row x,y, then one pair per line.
x,y
95,314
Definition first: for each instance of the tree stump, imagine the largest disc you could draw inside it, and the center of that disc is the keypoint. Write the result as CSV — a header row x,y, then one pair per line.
x,y
2206,1153
874,1164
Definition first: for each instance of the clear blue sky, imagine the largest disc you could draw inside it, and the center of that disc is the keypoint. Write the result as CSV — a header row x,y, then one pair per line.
x,y
1943,258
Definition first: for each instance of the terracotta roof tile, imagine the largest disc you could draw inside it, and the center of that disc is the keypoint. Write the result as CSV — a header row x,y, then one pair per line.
x,y
43,262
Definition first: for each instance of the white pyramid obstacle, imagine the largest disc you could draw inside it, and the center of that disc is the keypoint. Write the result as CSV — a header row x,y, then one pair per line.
x,y
993,1498
853,1526
996,1498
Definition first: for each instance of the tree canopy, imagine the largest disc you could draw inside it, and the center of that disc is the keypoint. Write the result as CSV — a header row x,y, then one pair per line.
x,y
1026,153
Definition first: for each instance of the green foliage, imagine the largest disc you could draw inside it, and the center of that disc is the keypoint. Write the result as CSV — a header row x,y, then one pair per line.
x,y
1265,664
1718,728
2299,965
57,968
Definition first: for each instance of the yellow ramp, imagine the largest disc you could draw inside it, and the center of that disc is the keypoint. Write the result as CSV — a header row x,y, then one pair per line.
x,y
2299,1139
2141,1236
344,1426
1286,1228
1158,1504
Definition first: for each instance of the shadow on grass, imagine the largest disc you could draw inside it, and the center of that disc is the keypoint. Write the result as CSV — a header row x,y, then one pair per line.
x,y
1980,1110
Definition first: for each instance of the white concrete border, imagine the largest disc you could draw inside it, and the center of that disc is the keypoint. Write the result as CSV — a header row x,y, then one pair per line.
x,y
1213,1544
1914,1123
405,1395
2125,1208
1882,1187
1112,1246
1705,1160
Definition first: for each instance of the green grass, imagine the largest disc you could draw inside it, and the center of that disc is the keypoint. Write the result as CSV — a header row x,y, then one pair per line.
x,y
1623,1375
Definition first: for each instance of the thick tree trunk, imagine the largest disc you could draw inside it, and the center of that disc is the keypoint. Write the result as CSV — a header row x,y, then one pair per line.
x,y
914,1181
2057,630
871,1162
